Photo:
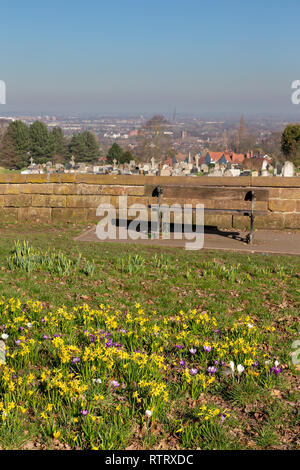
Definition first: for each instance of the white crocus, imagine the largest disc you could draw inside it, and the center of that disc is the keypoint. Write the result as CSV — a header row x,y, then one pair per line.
x,y
149,413
240,369
4,336
231,365
276,363
97,381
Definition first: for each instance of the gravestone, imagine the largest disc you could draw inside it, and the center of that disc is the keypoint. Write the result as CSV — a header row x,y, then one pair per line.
x,y
288,169
278,170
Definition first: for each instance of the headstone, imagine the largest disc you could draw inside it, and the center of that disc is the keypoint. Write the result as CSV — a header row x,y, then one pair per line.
x,y
228,173
278,170
288,169
216,173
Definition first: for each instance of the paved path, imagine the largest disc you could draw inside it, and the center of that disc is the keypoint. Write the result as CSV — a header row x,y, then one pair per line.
x,y
271,242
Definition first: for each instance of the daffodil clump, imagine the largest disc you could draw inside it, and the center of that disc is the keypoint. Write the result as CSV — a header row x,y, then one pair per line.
x,y
85,375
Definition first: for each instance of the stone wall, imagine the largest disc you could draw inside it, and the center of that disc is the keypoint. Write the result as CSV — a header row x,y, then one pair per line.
x,y
75,197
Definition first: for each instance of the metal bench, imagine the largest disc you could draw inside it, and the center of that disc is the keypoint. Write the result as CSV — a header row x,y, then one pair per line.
x,y
221,196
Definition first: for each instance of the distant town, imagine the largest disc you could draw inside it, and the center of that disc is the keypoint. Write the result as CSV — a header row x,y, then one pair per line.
x,y
157,145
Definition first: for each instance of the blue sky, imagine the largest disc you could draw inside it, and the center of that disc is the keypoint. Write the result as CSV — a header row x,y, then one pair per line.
x,y
150,55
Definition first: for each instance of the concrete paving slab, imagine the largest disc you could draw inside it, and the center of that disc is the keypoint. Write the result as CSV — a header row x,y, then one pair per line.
x,y
269,242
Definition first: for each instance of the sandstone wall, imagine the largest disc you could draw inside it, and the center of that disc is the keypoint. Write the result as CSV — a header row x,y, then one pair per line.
x,y
75,197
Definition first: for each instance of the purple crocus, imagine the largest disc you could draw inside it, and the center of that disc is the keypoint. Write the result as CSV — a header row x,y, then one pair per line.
x,y
43,320
18,342
217,332
114,383
193,350
182,362
276,370
179,346
45,337
21,328
84,412
211,370
223,418
193,371
207,348
76,360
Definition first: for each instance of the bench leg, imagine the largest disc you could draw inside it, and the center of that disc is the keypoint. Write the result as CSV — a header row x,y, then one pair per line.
x,y
249,237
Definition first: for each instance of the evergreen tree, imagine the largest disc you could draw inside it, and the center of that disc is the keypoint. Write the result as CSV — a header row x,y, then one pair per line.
x,y
15,145
41,142
59,143
290,143
84,147
115,153
126,157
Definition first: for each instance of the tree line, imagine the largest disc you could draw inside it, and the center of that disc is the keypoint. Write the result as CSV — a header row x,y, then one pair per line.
x,y
19,143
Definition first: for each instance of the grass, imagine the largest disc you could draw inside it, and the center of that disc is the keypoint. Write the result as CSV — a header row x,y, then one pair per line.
x,y
226,292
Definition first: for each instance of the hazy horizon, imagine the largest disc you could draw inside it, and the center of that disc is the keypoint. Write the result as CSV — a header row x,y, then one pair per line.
x,y
139,57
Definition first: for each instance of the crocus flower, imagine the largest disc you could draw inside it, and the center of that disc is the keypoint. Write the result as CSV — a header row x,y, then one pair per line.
x,y
211,370
223,418
4,336
21,328
182,362
207,348
84,412
97,381
76,360
45,337
193,350
179,346
276,370
29,325
240,369
149,413
193,371
114,383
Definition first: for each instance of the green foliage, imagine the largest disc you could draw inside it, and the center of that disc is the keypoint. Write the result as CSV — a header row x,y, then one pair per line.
x,y
115,153
15,146
41,143
290,143
60,148
84,147
26,258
